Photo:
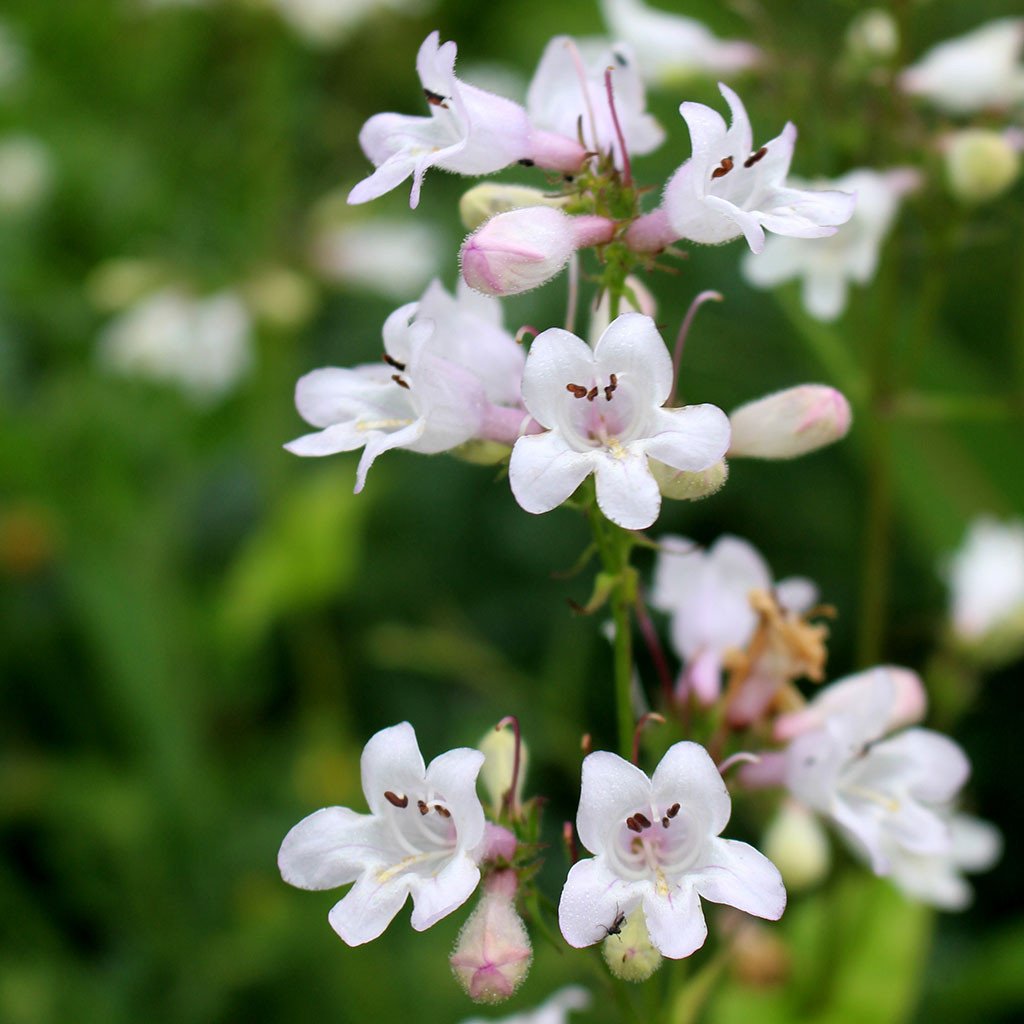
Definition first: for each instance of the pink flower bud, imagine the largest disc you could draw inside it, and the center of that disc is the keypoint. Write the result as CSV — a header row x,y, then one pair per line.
x,y
522,249
493,952
499,843
789,423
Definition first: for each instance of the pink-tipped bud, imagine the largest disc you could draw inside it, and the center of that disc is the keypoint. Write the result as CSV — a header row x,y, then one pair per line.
x,y
499,843
523,249
789,423
556,152
493,952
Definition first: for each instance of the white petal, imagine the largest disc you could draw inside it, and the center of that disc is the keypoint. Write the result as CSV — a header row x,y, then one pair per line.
x,y
391,761
707,132
342,437
796,593
436,897
632,347
368,908
612,789
329,395
330,847
691,438
687,775
675,922
556,358
627,492
453,774
544,471
740,137
592,898
378,443
739,876
977,844
936,767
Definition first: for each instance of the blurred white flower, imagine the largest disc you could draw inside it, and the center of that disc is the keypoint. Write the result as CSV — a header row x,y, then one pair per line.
x,y
392,258
26,173
981,163
554,1011
828,265
972,72
873,35
670,47
330,22
986,581
201,345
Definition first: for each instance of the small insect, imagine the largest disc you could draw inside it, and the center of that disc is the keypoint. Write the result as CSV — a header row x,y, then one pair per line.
x,y
615,928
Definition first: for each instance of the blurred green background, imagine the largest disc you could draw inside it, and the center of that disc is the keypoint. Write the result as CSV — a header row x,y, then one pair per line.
x,y
199,631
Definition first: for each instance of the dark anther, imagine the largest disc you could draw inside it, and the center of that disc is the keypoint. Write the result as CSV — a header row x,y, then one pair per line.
x,y
396,801
723,168
398,380
435,99
642,820
526,162
576,390
443,811
754,157
612,385
633,825
672,811
664,822
620,59
391,361
421,804
592,393
568,179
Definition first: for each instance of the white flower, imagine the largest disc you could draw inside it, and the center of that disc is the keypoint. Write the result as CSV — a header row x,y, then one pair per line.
x,y
603,408
727,188
828,265
556,100
202,345
707,593
447,360
882,793
26,173
789,423
419,839
554,1011
330,22
656,844
971,72
975,845
986,579
670,47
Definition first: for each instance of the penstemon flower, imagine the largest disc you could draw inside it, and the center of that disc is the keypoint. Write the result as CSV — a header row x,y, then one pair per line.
x,y
603,410
789,423
727,188
420,839
555,1010
656,844
884,793
468,131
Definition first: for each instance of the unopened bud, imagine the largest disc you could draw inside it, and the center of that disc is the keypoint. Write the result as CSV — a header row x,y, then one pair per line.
x,y
789,423
797,845
683,485
493,953
636,299
498,773
628,949
873,35
490,198
281,297
523,249
760,958
980,164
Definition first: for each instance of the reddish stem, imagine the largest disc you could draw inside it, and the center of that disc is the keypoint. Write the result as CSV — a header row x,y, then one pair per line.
x,y
627,174
684,330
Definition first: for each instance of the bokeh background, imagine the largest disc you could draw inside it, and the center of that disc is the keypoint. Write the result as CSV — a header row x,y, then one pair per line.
x,y
198,631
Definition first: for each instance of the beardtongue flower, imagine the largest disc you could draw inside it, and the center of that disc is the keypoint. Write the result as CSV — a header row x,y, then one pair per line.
x,y
555,1010
603,410
420,839
468,131
727,188
568,96
657,846
522,249
883,793
789,423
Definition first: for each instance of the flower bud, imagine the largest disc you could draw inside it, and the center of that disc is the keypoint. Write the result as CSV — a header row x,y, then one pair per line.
x,y
628,951
281,297
797,845
760,959
637,300
26,173
493,953
499,749
689,486
980,164
789,423
522,249
873,35
490,198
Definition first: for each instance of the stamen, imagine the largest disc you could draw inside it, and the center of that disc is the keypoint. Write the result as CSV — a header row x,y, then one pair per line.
x,y
401,383
610,390
672,811
424,809
633,825
724,168
754,157
592,393
396,801
642,819
576,390
391,361
664,822
435,99
443,811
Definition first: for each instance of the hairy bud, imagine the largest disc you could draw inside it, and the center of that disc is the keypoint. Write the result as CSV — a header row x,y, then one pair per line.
x,y
789,423
628,950
797,845
689,486
499,749
490,198
980,164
